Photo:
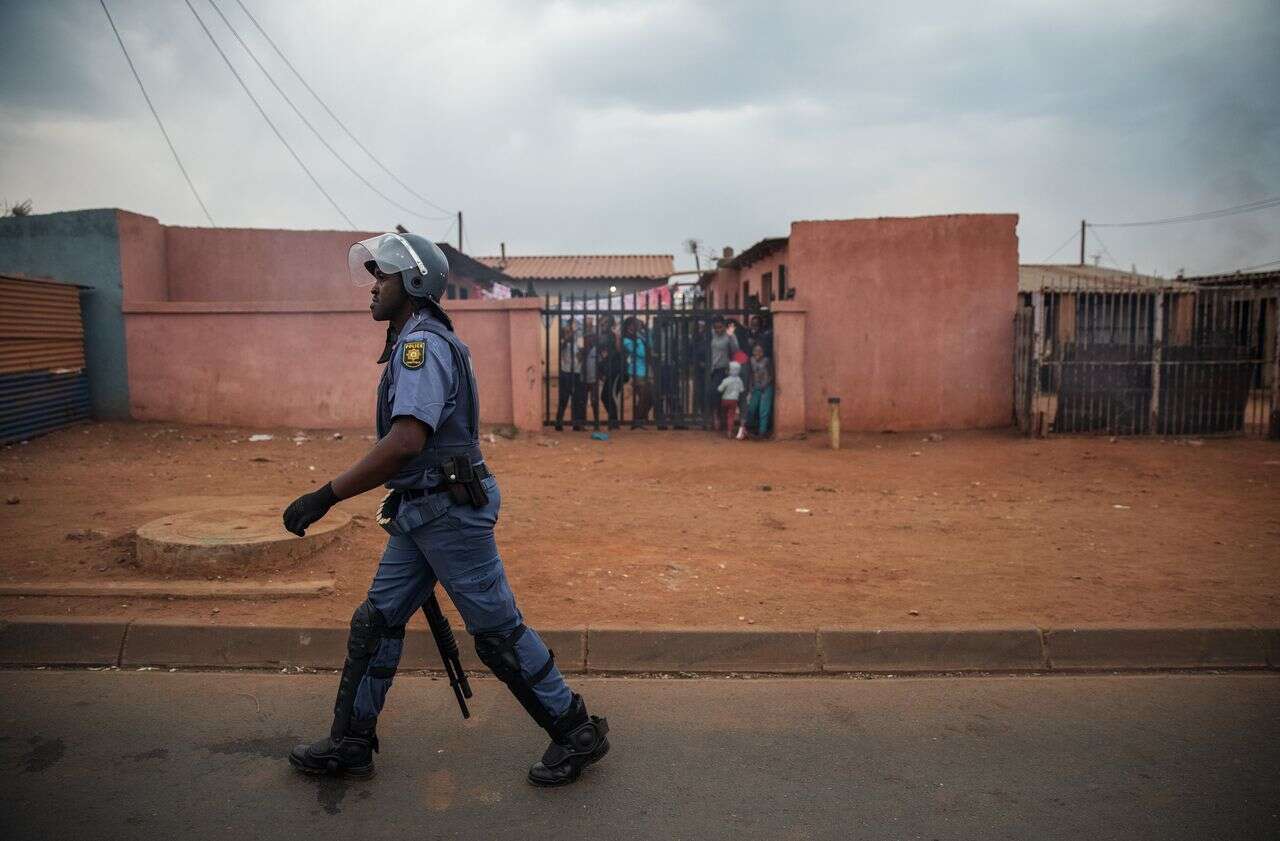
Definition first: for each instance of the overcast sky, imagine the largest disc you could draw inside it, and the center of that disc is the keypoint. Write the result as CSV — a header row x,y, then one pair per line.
x,y
630,126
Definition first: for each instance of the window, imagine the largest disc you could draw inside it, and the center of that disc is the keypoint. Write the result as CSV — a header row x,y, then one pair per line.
x,y
463,292
746,291
451,292
782,282
766,286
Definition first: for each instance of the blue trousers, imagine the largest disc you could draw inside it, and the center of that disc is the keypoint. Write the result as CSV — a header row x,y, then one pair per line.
x,y
759,408
435,539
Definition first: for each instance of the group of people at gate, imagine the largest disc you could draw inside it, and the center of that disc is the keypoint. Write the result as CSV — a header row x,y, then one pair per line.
x,y
716,371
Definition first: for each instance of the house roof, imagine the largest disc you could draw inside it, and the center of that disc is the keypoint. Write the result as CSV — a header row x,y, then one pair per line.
x,y
657,267
757,252
1039,277
1268,278
474,269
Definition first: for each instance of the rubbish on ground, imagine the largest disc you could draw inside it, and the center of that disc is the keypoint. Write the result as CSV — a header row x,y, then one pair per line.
x,y
917,453
935,437
337,436
766,487
85,534
599,436
803,511
12,500
913,613
261,437
1121,507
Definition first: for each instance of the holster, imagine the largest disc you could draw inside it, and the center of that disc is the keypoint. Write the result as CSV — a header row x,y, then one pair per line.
x,y
465,487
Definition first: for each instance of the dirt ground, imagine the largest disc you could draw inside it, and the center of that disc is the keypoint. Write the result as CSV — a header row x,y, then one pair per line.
x,y
687,529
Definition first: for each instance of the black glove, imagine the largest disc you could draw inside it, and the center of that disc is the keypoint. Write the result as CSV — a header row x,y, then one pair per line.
x,y
308,508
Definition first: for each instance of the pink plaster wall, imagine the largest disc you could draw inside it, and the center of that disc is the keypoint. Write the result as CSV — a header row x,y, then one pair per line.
x,y
142,257
255,264
910,320
299,364
251,264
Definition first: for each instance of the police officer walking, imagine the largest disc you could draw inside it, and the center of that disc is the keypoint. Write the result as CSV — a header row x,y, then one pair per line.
x,y
440,512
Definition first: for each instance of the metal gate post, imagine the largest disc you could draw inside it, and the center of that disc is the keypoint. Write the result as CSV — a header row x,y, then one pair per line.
x,y
1275,368
1157,358
1037,426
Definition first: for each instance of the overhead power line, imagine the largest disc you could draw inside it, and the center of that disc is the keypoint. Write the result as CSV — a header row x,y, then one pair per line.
x,y
314,130
1068,241
340,123
156,114
1250,207
1106,250
263,112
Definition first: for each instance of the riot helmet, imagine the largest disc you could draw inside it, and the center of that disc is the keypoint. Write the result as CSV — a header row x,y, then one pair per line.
x,y
422,266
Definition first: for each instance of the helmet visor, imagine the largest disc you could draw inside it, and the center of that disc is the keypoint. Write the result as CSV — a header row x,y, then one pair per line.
x,y
385,254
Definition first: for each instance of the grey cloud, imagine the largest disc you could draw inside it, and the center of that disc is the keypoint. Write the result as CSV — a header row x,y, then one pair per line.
x,y
629,126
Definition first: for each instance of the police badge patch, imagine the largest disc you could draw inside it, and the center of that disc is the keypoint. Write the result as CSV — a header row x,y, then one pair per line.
x,y
412,354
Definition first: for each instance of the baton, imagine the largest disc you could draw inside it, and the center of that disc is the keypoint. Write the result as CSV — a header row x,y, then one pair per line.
x,y
448,651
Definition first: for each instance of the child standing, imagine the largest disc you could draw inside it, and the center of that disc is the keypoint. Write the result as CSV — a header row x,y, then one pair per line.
x,y
730,389
760,406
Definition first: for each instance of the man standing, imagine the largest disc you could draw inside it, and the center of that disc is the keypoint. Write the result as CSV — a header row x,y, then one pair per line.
x,y
572,390
440,513
723,347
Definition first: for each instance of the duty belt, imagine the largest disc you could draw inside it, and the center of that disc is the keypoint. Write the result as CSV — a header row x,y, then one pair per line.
x,y
480,471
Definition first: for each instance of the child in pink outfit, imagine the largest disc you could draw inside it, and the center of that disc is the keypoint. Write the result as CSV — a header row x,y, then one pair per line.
x,y
730,389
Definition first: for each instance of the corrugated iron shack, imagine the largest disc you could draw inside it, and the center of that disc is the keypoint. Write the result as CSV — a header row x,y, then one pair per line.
x,y
43,385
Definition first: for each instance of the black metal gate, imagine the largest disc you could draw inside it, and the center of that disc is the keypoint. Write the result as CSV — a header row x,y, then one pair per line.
x,y
640,360
1167,360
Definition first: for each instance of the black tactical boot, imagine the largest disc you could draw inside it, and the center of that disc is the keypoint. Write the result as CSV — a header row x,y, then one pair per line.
x,y
577,740
351,755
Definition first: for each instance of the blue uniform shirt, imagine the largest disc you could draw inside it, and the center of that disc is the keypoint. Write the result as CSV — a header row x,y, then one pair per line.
x,y
428,392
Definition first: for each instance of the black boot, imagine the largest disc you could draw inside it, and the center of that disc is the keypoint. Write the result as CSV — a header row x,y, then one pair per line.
x,y
351,755
577,740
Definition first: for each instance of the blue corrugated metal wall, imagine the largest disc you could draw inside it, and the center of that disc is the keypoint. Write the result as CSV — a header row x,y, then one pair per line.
x,y
36,402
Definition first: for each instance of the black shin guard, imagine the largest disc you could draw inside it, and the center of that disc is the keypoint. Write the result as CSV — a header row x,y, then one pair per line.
x,y
498,652
368,629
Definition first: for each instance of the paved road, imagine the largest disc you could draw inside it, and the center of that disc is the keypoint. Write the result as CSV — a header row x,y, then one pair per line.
x,y
89,755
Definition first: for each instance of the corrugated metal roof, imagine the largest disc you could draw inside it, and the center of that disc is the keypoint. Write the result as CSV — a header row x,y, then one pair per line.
x,y
758,252
585,266
1069,278
1267,278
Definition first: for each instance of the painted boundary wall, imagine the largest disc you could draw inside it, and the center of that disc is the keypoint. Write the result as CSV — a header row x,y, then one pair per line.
x,y
909,320
310,365
265,328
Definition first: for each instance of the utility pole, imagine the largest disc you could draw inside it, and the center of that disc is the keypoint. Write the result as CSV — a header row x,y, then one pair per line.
x,y
460,233
1082,227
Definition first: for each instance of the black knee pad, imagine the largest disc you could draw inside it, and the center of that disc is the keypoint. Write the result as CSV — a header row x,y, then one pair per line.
x,y
498,651
368,628
367,623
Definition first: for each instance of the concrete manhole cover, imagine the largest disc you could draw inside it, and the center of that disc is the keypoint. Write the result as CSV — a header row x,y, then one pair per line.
x,y
230,540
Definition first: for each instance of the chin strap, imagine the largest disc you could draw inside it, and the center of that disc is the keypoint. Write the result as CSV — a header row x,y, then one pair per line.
x,y
389,346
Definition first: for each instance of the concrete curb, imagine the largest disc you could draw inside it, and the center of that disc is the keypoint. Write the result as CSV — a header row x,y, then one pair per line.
x,y
60,640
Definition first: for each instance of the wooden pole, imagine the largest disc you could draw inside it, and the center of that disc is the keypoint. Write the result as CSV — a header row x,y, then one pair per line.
x,y
460,237
834,402
1082,228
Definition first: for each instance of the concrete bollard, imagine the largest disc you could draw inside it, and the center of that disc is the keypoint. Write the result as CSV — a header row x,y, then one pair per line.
x,y
834,402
